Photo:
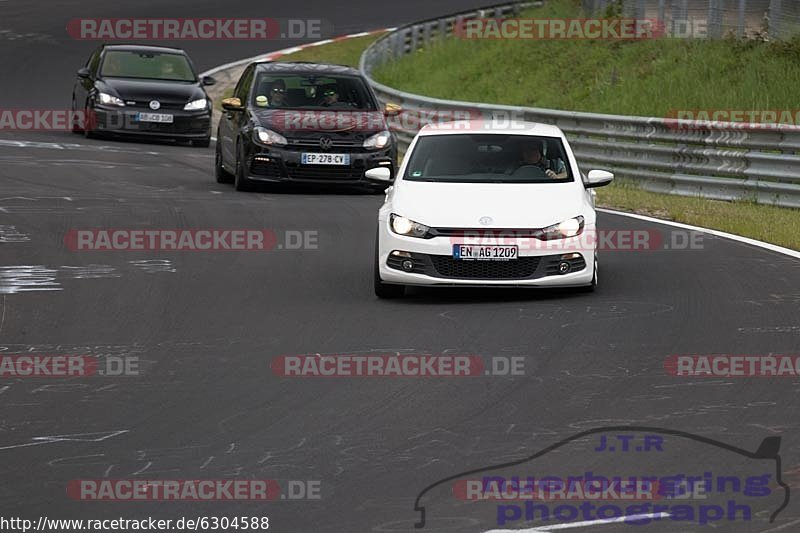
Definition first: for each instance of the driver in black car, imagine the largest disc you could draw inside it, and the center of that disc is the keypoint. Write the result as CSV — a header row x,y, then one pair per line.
x,y
532,156
330,96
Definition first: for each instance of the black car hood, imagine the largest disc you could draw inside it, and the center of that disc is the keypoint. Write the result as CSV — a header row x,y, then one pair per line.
x,y
294,123
169,92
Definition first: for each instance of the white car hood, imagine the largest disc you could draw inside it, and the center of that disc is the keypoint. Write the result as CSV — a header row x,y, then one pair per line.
x,y
462,205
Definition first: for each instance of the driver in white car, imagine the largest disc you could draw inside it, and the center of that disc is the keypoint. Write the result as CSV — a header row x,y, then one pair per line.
x,y
532,155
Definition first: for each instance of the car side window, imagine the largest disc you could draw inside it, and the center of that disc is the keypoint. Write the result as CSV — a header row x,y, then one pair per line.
x,y
94,62
243,87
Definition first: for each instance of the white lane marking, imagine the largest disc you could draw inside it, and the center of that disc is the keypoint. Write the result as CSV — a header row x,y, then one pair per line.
x,y
587,523
22,143
279,53
76,437
731,236
784,526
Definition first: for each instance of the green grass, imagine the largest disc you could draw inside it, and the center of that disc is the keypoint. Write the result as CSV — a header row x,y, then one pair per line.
x,y
347,52
766,223
647,77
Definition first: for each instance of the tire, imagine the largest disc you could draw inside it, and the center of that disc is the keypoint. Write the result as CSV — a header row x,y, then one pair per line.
x,y
75,127
222,175
385,291
89,124
240,181
202,143
593,286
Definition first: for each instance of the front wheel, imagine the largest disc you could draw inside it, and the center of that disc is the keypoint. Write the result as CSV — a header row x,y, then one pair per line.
x,y
593,286
385,291
76,127
222,175
240,181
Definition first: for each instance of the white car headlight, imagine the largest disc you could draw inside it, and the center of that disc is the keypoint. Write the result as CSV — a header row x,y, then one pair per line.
x,y
407,227
268,137
563,230
196,105
107,99
378,141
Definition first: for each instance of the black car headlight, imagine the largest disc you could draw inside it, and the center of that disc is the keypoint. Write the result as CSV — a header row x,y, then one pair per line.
x,y
407,227
266,137
197,105
378,141
571,227
109,99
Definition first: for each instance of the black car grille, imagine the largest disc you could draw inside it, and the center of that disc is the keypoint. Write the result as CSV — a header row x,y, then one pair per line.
x,y
312,145
274,170
164,105
333,173
521,268
178,127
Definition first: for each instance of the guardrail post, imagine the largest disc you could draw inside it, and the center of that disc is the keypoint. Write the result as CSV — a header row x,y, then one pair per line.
x,y
640,10
775,14
715,19
742,30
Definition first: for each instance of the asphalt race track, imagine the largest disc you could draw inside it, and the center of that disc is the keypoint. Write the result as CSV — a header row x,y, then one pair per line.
x,y
205,326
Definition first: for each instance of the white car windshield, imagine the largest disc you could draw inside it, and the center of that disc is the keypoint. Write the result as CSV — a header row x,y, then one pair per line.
x,y
488,158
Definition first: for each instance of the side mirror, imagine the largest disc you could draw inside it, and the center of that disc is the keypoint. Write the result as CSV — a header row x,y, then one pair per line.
x,y
232,104
599,178
84,73
379,175
208,80
392,110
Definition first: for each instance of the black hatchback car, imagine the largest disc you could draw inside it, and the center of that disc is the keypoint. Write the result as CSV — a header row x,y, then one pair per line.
x,y
144,91
303,122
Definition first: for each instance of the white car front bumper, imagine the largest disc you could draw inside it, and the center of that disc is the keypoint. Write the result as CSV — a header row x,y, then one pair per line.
x,y
536,266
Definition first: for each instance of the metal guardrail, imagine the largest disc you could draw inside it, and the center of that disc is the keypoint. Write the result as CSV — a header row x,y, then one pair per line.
x,y
720,161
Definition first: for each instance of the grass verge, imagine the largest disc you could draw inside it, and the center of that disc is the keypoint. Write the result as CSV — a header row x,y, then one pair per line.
x,y
776,225
648,77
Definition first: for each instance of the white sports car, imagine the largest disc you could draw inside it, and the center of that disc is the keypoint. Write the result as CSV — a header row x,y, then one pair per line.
x,y
474,205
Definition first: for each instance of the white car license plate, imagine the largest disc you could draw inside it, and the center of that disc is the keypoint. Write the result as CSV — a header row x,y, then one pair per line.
x,y
483,252
155,117
325,159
